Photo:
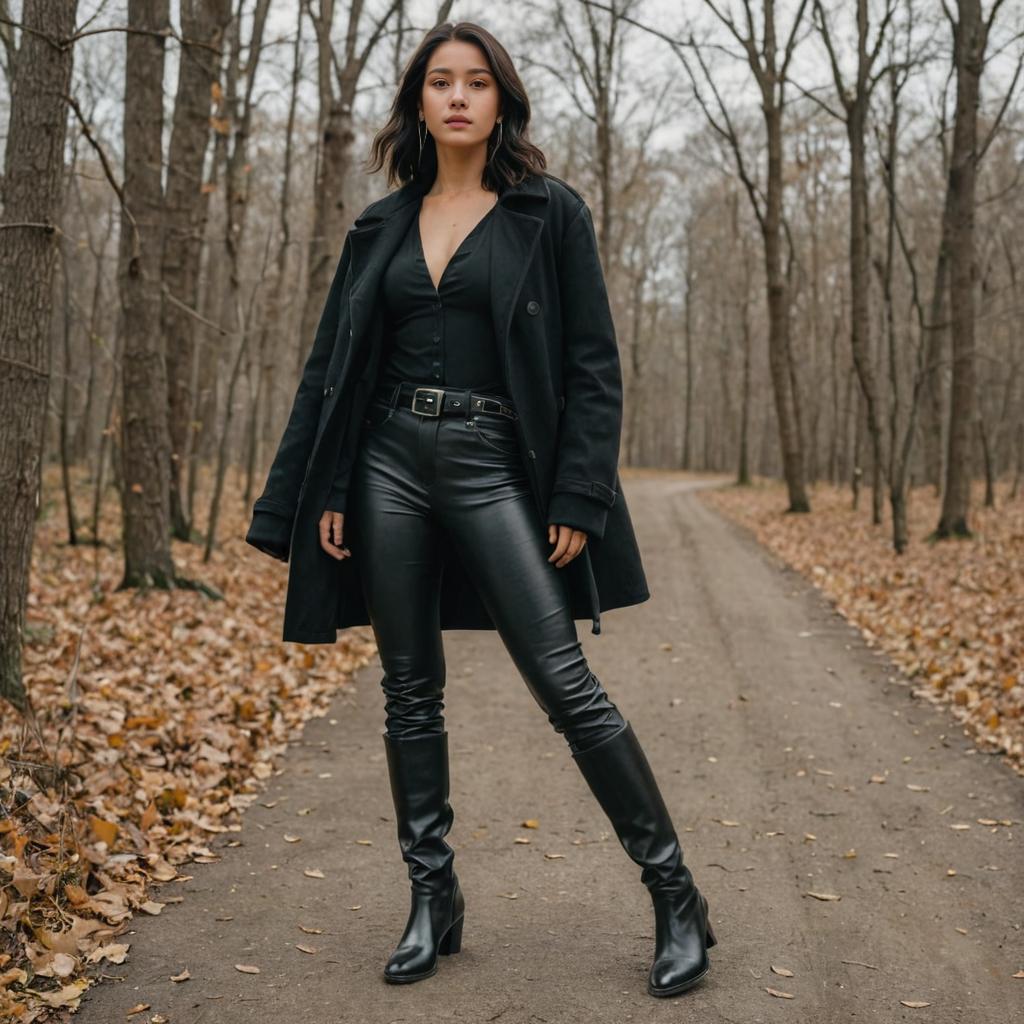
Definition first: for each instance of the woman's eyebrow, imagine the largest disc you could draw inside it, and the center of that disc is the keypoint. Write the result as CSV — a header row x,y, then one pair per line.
x,y
448,71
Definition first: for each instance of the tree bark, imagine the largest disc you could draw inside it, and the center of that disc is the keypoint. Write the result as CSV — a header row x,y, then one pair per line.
x,y
33,188
145,438
203,24
970,34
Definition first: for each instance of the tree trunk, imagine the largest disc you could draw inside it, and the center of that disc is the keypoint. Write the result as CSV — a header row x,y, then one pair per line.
x,y
203,24
969,39
779,322
145,439
33,188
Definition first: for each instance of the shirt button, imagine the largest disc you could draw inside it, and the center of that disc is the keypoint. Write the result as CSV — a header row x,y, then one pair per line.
x,y
532,454
533,307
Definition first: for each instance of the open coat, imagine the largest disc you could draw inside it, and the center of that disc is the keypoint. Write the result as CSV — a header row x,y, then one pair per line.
x,y
558,348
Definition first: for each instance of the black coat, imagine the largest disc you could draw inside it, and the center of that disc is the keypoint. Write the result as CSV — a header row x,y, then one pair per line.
x,y
558,347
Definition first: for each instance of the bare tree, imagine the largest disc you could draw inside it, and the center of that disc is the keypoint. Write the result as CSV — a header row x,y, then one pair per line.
x,y
855,103
338,76
770,70
970,40
203,24
146,442
33,186
241,81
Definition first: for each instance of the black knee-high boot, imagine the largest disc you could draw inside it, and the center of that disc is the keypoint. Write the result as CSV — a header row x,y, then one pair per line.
x,y
618,773
418,769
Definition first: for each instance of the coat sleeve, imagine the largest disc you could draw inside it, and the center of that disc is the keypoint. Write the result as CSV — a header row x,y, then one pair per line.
x,y
274,511
586,465
337,496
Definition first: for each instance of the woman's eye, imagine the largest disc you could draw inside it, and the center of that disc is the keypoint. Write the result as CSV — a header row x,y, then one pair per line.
x,y
478,81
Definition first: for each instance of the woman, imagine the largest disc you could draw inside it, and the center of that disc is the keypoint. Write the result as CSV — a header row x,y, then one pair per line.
x,y
473,424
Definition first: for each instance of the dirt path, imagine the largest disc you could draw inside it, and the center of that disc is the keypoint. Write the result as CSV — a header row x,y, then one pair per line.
x,y
768,711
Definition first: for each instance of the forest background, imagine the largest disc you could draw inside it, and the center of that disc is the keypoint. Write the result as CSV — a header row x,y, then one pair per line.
x,y
809,215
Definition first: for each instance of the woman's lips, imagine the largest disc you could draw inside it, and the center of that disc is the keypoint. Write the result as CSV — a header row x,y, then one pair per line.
x,y
457,124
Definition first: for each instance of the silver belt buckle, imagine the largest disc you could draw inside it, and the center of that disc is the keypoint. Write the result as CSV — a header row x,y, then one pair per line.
x,y
436,411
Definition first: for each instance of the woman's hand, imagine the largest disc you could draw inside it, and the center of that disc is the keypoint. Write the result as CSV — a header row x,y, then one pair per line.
x,y
568,541
331,526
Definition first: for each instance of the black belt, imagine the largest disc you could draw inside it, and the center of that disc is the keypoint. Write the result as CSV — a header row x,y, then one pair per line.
x,y
434,401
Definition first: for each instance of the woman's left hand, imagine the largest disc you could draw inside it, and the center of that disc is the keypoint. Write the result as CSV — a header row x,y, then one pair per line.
x,y
568,542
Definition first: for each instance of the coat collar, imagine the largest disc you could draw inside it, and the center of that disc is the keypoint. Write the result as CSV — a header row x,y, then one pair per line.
x,y
534,186
376,235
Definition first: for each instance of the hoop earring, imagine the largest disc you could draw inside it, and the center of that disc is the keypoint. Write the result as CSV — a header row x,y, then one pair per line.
x,y
497,145
422,137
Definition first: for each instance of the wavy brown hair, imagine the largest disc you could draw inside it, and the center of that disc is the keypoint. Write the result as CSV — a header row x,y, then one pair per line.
x,y
396,146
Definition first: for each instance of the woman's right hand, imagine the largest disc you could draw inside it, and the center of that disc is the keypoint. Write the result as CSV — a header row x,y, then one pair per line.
x,y
331,526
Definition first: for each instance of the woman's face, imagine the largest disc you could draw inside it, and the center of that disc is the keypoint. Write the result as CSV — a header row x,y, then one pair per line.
x,y
459,84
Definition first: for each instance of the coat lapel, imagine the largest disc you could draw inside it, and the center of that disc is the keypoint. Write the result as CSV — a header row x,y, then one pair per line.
x,y
513,237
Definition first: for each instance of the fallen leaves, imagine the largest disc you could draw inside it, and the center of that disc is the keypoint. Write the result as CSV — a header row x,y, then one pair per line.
x,y
157,717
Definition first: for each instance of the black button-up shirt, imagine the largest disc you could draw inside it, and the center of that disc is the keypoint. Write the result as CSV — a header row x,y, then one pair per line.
x,y
442,336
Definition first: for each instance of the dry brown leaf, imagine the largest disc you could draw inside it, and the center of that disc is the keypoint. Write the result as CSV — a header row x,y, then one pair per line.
x,y
313,873
175,746
778,995
247,968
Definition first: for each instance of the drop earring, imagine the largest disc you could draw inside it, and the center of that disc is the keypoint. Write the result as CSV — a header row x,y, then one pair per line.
x,y
497,145
422,137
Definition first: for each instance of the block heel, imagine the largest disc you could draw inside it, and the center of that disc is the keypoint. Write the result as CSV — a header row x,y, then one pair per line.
x,y
710,932
452,941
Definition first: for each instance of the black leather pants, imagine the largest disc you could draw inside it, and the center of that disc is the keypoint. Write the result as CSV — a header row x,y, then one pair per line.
x,y
416,476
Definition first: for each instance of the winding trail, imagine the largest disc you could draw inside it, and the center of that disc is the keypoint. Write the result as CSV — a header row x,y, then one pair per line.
x,y
767,711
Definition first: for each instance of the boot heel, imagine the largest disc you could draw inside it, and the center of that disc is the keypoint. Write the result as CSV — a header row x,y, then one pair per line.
x,y
709,931
452,941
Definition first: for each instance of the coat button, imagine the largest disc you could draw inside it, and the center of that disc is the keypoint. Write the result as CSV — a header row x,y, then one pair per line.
x,y
533,307
532,454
